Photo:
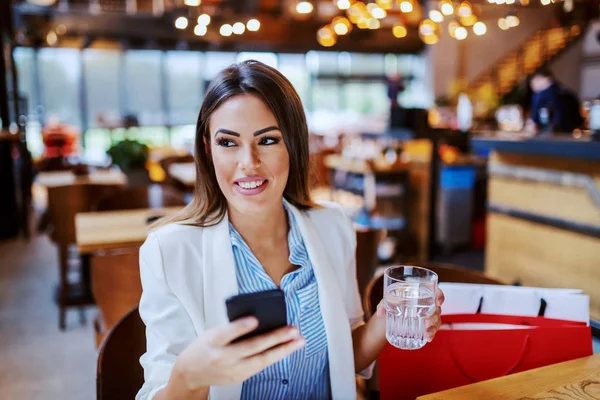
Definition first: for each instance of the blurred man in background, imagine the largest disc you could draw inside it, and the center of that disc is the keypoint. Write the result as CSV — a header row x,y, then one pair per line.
x,y
553,109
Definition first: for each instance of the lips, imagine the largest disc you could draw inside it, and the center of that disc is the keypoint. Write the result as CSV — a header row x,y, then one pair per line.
x,y
251,186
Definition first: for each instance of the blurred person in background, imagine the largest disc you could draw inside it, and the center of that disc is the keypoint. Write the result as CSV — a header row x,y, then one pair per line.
x,y
60,140
553,108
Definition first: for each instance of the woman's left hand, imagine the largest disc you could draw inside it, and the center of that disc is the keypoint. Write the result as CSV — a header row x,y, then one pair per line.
x,y
432,323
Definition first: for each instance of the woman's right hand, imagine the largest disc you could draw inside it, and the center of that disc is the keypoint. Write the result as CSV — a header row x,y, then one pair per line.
x,y
212,359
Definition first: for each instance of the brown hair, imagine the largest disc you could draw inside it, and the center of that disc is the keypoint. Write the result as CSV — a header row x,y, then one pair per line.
x,y
208,205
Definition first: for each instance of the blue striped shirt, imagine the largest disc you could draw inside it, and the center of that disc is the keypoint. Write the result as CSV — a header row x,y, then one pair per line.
x,y
305,373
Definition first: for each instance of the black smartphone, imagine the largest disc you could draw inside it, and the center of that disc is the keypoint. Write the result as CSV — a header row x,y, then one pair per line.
x,y
267,306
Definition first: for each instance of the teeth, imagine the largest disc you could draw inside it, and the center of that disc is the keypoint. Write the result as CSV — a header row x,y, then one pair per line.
x,y
250,185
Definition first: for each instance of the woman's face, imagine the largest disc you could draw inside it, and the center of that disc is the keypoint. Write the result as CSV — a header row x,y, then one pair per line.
x,y
249,155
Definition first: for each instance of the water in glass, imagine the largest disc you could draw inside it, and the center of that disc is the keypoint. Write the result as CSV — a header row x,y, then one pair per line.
x,y
407,304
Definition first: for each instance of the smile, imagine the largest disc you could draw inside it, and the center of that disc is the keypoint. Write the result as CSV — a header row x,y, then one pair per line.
x,y
251,185
251,188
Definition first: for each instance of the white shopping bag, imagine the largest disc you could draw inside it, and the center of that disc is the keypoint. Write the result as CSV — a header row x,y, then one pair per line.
x,y
565,304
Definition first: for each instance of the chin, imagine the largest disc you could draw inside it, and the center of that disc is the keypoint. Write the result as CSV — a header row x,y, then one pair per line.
x,y
253,205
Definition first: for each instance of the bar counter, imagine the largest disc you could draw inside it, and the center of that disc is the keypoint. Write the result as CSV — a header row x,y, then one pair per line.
x,y
543,225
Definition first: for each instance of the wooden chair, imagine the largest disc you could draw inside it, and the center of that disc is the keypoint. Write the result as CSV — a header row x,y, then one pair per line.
x,y
116,287
152,196
446,273
64,202
119,375
367,243
166,162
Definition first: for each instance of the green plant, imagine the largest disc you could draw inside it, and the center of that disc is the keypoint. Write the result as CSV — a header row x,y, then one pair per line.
x,y
129,154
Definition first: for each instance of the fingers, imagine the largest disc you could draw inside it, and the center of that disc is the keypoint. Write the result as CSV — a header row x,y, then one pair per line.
x,y
439,297
261,361
433,324
259,344
223,335
380,309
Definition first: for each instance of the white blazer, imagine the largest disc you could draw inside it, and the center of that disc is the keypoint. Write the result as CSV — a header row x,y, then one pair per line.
x,y
188,272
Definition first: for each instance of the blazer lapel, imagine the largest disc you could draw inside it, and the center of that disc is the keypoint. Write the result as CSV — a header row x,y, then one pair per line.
x,y
220,282
335,317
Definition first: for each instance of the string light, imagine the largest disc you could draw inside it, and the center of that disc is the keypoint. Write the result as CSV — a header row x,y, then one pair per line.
x,y
326,36
436,16
379,13
399,31
181,23
406,6
503,24
374,24
341,25
452,27
385,4
304,7
430,39
204,19
545,2
512,21
461,33
447,8
226,30
238,28
343,4
253,25
427,27
464,10
200,30
479,28
192,3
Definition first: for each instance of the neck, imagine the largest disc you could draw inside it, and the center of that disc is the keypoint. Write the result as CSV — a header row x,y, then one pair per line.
x,y
268,228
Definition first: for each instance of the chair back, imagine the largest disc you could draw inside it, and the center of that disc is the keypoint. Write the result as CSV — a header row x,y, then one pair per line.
x,y
64,202
152,196
446,273
119,375
116,286
367,243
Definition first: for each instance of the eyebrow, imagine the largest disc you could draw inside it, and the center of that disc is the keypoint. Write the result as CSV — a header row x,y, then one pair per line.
x,y
257,133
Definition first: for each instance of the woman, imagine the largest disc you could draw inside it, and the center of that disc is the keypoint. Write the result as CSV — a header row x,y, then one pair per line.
x,y
250,227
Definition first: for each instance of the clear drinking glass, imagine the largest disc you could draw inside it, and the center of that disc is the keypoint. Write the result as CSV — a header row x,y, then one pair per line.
x,y
409,297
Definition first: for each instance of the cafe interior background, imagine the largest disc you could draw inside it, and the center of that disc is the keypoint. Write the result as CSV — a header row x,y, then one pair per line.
x,y
419,129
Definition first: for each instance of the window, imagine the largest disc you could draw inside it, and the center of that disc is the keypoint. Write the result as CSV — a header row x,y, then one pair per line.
x,y
367,64
366,98
143,81
184,86
60,73
25,61
103,87
215,62
294,68
266,58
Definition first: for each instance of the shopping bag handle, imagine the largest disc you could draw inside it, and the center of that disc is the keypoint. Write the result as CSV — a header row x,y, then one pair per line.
x,y
510,368
541,312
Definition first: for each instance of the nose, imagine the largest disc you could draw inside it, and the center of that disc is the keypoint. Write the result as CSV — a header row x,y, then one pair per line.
x,y
250,159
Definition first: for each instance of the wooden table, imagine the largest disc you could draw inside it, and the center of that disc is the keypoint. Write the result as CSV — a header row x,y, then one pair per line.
x,y
184,173
572,380
107,230
64,178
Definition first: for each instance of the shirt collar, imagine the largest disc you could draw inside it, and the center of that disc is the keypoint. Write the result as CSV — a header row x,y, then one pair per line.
x,y
295,241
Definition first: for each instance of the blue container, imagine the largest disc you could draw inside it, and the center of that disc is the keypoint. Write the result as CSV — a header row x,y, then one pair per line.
x,y
457,177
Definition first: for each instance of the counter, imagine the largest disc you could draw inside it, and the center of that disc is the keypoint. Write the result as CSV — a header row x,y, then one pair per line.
x,y
543,225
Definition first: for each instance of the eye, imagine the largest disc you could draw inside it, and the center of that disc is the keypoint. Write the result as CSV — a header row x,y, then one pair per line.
x,y
225,142
268,141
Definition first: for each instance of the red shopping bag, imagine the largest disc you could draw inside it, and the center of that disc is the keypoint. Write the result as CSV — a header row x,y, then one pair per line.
x,y
459,357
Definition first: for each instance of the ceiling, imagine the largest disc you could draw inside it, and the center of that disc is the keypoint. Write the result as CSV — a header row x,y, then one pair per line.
x,y
150,24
